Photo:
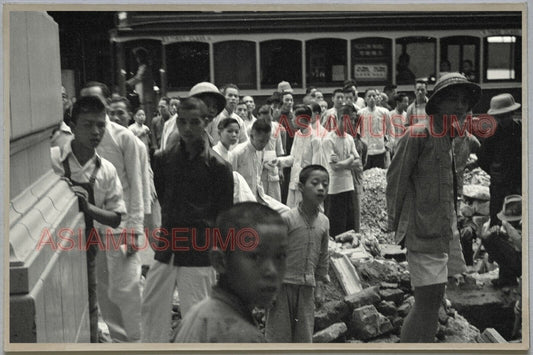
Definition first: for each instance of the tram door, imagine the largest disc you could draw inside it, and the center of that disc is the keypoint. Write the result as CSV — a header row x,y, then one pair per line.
x,y
460,54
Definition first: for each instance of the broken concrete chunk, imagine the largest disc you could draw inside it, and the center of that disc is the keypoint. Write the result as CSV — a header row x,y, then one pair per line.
x,y
458,330
368,323
346,273
443,316
331,333
491,335
406,306
368,296
397,323
387,308
391,294
348,236
331,312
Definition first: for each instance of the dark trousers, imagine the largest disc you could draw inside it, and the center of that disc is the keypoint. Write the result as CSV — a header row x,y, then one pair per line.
x,y
340,211
375,161
501,251
91,288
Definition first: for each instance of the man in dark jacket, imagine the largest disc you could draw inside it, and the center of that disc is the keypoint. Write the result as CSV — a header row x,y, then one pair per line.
x,y
500,155
194,185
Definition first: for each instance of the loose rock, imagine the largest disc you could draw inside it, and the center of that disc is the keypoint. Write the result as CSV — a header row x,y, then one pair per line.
x,y
387,308
368,296
331,312
391,294
368,323
331,333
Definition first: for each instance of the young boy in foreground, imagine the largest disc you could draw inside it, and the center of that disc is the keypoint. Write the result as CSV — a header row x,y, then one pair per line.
x,y
291,319
94,180
250,275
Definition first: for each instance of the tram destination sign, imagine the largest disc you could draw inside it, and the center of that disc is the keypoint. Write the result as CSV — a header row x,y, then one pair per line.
x,y
177,38
370,72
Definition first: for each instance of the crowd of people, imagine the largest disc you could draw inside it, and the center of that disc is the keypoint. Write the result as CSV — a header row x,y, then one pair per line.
x,y
212,164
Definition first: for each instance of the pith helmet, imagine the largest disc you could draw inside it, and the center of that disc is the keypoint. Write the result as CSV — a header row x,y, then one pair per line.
x,y
205,88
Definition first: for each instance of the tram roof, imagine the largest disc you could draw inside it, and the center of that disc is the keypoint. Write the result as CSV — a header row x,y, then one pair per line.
x,y
158,23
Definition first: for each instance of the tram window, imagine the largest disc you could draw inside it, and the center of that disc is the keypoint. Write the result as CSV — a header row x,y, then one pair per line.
x,y
461,53
372,61
235,63
415,58
281,60
187,64
503,58
326,61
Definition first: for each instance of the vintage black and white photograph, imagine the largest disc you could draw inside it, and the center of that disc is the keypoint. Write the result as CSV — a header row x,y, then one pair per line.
x,y
347,176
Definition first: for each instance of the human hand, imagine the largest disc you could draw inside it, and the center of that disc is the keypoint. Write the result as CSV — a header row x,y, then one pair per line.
x,y
319,294
132,245
83,197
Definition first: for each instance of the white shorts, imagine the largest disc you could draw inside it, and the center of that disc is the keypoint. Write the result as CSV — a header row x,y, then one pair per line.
x,y
427,268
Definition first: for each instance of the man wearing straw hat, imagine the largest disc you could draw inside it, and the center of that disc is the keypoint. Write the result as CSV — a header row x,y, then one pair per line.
x,y
421,201
501,154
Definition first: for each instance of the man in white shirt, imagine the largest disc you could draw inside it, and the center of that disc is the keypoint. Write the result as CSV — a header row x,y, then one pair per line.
x,y
231,93
119,275
340,152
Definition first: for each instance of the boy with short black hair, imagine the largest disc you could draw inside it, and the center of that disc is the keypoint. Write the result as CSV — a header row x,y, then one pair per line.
x,y
340,153
94,180
376,131
291,319
194,185
248,277
331,115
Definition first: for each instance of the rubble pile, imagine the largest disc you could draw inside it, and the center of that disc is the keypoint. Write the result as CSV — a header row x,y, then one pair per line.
x,y
476,176
376,313
374,205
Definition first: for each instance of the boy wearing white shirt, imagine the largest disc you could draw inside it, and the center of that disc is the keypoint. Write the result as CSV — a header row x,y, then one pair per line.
x,y
339,150
94,180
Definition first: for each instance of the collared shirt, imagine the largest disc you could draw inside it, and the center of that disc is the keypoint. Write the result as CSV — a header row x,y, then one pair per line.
x,y
169,127
141,132
328,119
420,191
147,177
212,128
375,127
157,129
222,151
192,192
343,147
107,186
275,142
416,112
220,318
119,146
307,253
398,120
301,154
315,153
248,123
248,162
62,136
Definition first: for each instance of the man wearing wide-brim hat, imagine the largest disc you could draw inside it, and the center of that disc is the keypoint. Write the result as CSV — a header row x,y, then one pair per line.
x,y
504,243
421,202
501,153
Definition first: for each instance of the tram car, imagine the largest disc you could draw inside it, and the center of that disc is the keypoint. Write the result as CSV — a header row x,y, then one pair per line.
x,y
257,50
